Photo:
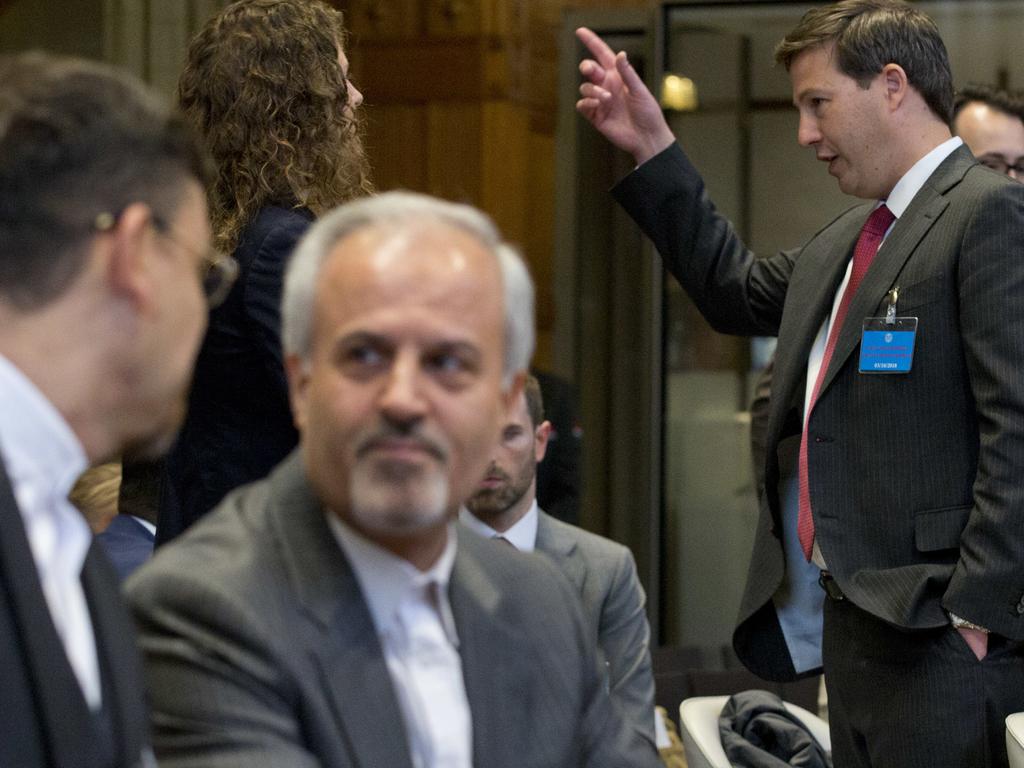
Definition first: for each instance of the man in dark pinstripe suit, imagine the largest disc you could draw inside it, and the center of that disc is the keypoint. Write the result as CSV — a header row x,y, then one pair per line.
x,y
913,492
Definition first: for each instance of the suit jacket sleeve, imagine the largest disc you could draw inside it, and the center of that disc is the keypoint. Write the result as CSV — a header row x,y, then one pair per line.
x,y
736,292
987,585
219,694
624,637
609,740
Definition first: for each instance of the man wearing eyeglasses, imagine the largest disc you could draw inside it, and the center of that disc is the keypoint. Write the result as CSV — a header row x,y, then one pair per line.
x,y
989,120
103,265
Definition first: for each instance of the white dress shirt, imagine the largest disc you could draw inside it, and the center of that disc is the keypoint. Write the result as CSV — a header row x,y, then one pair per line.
x,y
43,459
151,527
522,535
900,197
413,618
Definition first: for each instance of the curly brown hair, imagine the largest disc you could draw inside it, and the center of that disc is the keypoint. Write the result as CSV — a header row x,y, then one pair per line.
x,y
264,89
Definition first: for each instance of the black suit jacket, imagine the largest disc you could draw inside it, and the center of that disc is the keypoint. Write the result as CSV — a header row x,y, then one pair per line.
x,y
45,720
915,479
239,423
261,651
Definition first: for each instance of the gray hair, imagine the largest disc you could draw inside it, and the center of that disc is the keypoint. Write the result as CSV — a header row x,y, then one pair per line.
x,y
398,209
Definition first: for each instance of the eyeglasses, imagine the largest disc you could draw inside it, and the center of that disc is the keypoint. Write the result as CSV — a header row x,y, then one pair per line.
x,y
217,273
1000,164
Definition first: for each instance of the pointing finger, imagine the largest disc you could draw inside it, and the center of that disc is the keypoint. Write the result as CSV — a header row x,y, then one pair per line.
x,y
598,48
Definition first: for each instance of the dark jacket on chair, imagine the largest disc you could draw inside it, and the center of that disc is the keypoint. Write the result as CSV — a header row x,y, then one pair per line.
x,y
759,732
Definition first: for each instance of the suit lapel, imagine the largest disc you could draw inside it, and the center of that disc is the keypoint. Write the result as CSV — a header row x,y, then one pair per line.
x,y
562,548
822,263
117,654
493,675
807,305
923,211
61,709
350,657
359,686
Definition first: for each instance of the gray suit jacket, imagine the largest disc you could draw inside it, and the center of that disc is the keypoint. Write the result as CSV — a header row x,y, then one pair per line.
x,y
604,575
260,649
915,479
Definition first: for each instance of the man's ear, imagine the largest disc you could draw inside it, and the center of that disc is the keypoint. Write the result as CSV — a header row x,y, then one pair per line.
x,y
128,269
541,435
296,368
894,78
510,396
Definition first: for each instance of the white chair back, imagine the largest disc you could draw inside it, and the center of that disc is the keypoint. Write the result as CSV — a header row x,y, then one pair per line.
x,y
1015,739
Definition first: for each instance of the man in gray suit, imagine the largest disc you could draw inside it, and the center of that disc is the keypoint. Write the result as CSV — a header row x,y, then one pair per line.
x,y
908,483
332,614
603,572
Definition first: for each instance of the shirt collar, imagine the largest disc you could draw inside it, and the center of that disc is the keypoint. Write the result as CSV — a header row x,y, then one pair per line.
x,y
522,535
37,445
386,579
151,527
908,186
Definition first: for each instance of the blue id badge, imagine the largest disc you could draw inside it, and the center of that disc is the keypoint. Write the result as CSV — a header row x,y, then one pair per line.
x,y
887,343
887,347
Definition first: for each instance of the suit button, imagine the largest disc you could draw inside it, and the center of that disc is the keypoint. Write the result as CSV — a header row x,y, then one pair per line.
x,y
1020,606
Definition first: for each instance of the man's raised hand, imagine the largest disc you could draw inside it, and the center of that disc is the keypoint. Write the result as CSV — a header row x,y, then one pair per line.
x,y
618,103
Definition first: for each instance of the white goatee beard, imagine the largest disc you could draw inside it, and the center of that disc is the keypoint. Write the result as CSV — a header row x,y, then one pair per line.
x,y
396,501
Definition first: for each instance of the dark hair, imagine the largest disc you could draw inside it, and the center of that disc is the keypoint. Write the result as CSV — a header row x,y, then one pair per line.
x,y
868,34
534,400
78,139
263,87
1008,103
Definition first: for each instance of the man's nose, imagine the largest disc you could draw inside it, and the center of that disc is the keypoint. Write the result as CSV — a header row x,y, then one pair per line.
x,y
402,399
807,133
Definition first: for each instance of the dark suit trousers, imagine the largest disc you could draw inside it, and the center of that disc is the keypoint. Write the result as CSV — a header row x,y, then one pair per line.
x,y
916,699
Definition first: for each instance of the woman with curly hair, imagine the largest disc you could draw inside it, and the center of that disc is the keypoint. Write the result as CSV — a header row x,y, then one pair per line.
x,y
266,86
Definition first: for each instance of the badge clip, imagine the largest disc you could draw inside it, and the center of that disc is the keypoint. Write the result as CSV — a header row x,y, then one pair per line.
x,y
887,343
890,312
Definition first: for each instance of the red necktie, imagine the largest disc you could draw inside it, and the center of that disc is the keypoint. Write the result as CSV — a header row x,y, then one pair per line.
x,y
871,236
